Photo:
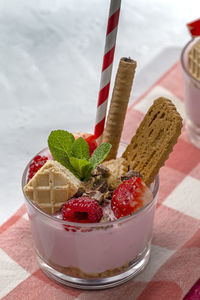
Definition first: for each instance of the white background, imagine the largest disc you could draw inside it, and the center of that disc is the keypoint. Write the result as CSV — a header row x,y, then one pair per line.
x,y
50,64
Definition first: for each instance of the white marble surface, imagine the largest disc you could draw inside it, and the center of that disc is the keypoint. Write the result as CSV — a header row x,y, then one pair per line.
x,y
50,61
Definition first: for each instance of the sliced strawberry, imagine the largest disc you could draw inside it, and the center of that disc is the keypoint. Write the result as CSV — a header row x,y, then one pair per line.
x,y
92,143
130,196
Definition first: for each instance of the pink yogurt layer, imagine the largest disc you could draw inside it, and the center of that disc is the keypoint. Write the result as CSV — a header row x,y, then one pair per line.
x,y
92,251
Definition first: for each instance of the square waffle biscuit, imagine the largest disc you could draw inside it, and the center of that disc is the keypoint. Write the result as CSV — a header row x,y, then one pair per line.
x,y
194,61
117,167
154,139
51,187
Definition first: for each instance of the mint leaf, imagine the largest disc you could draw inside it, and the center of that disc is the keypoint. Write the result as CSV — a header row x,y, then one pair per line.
x,y
60,144
79,165
80,149
61,140
100,154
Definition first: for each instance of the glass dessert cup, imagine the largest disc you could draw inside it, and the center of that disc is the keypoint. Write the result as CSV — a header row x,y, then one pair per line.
x,y
191,96
94,255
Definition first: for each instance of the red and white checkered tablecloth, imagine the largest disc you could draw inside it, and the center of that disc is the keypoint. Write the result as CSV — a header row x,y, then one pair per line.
x,y
174,265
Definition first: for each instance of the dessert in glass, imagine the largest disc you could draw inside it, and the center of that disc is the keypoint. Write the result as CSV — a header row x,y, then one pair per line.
x,y
112,246
190,62
92,255
91,213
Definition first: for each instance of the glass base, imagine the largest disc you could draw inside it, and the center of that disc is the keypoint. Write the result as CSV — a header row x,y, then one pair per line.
x,y
101,283
193,133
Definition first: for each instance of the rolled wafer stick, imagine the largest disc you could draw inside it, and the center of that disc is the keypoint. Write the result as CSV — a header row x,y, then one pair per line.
x,y
119,103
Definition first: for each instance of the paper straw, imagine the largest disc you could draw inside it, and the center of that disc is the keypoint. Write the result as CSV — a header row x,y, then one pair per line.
x,y
109,51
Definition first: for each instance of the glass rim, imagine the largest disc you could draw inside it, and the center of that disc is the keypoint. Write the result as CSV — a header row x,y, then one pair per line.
x,y
76,224
182,59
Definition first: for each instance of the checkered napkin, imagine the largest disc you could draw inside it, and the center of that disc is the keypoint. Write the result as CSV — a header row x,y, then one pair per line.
x,y
174,265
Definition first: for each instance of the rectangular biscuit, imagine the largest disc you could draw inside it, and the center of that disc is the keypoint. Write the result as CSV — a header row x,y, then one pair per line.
x,y
154,139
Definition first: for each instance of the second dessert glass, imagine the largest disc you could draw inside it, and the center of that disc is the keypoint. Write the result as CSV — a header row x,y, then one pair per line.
x,y
92,256
191,96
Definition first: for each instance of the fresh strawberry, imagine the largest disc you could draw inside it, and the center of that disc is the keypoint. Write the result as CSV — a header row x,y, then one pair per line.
x,y
82,210
130,196
35,165
92,143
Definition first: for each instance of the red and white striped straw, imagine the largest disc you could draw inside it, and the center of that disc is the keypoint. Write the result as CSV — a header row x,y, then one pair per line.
x,y
109,51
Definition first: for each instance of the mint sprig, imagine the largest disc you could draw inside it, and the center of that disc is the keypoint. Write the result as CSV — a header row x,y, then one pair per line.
x,y
74,154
